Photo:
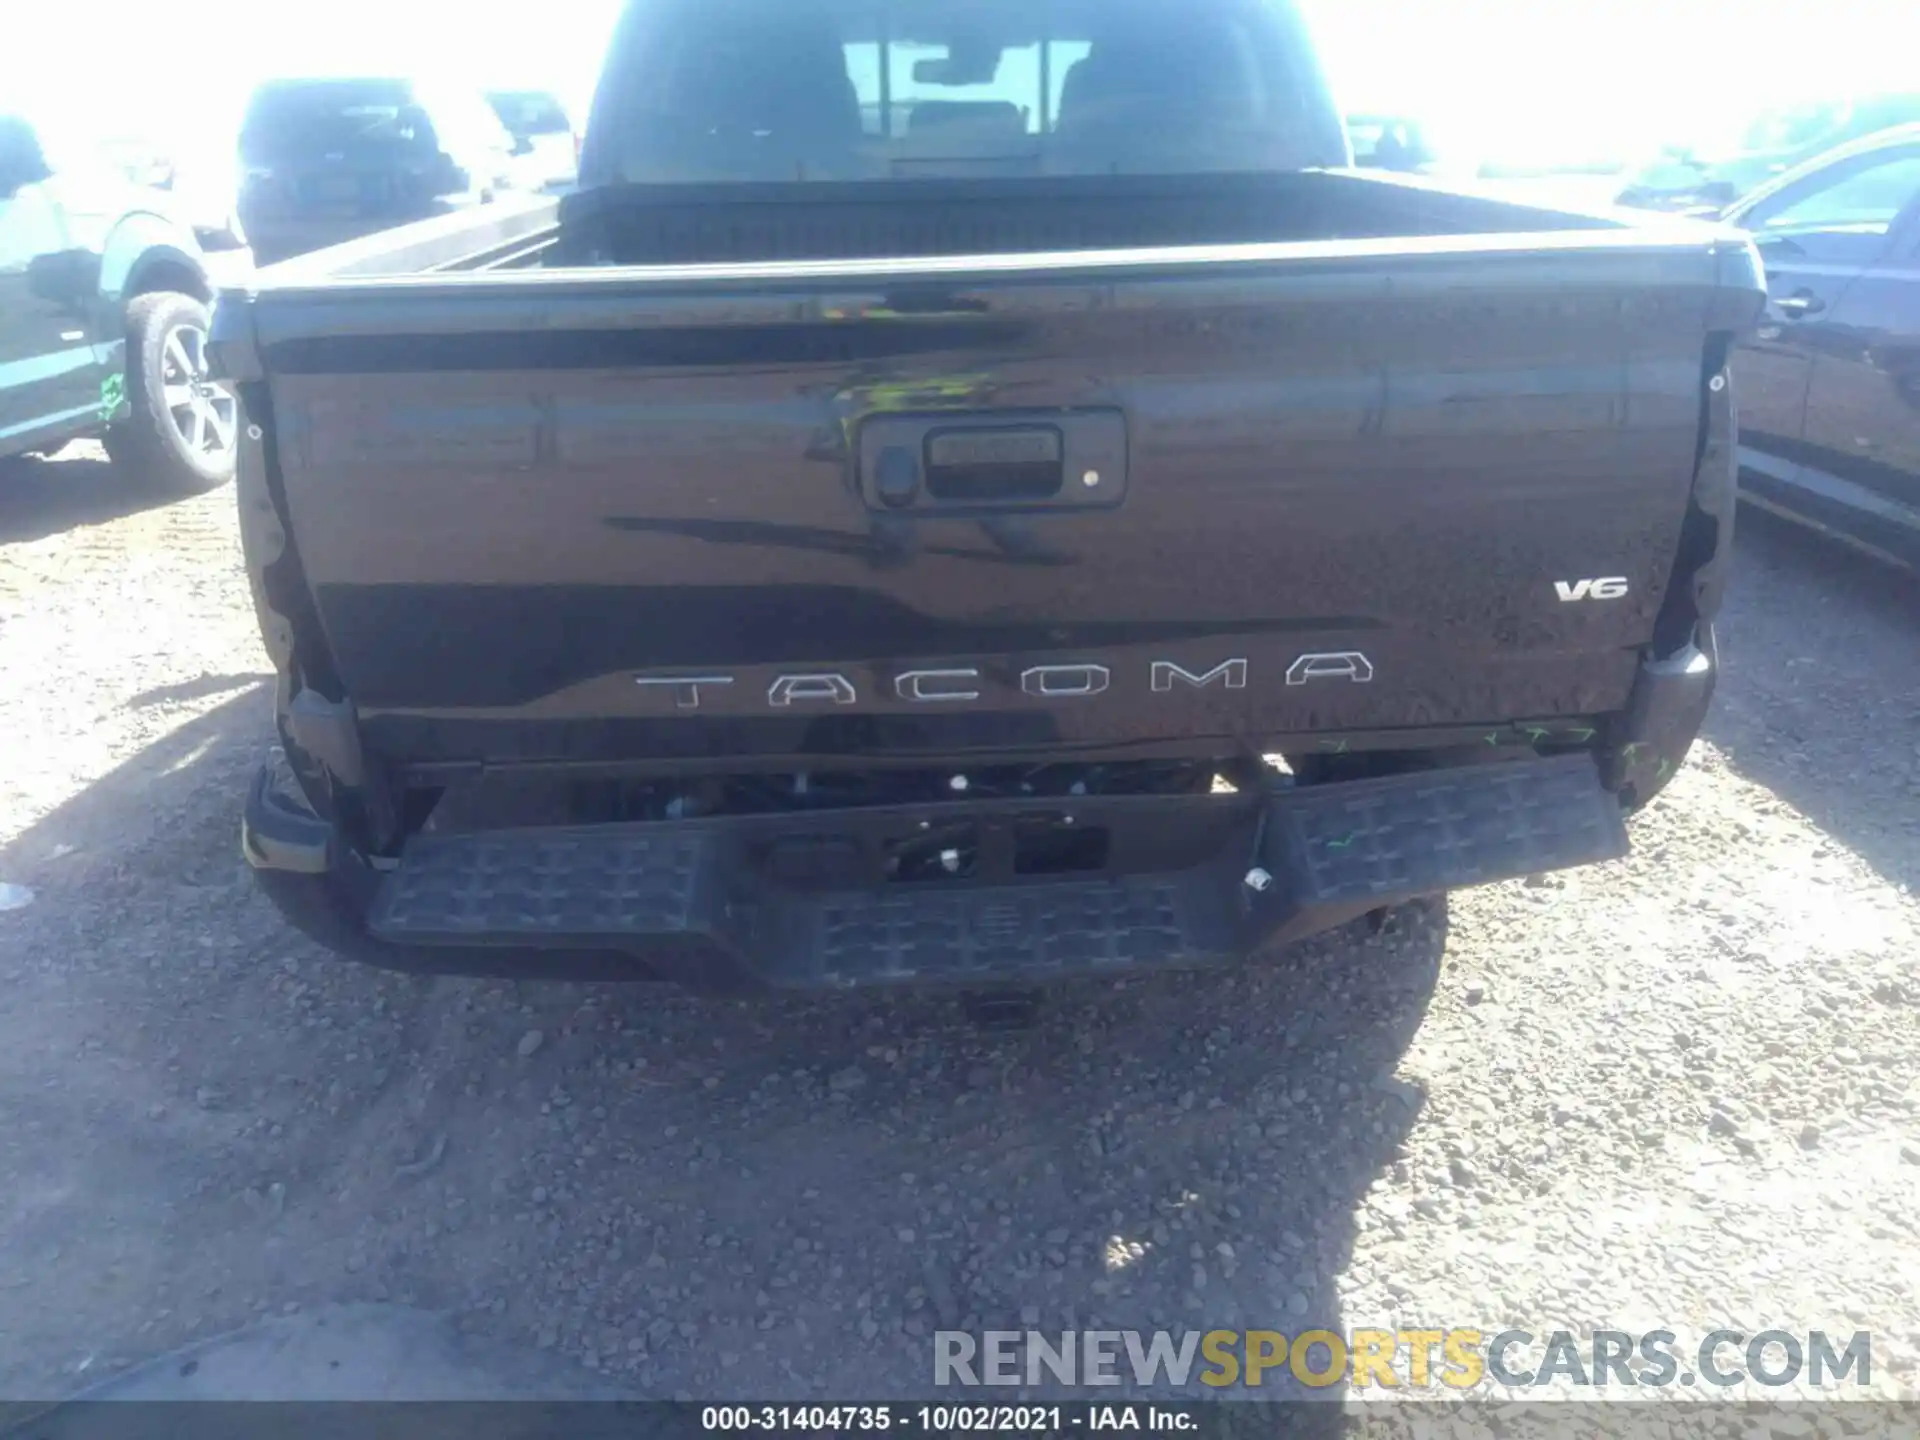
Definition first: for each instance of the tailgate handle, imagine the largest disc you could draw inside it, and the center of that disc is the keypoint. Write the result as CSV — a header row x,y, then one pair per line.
x,y
1023,463
1048,460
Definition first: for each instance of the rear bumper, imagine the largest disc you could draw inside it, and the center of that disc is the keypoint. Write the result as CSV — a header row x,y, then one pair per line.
x,y
699,901
718,904
1191,880
1662,720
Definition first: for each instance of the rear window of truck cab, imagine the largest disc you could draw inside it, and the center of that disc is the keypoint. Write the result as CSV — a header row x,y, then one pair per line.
x,y
705,91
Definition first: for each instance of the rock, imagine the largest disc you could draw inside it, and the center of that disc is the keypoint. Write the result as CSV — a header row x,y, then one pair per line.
x,y
1475,994
14,897
1910,1154
845,1082
530,1042
1809,1136
1405,1091
427,1161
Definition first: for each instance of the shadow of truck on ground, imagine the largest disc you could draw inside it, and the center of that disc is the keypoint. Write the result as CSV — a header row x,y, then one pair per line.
x,y
780,1198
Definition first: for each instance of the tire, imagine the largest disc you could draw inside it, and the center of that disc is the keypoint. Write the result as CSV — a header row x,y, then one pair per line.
x,y
182,435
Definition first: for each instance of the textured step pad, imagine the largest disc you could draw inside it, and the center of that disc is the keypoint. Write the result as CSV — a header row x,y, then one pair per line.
x,y
1330,850
1417,834
1060,928
611,880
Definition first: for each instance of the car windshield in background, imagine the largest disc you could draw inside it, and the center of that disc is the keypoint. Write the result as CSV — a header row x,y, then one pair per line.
x,y
798,90
1866,202
295,119
527,113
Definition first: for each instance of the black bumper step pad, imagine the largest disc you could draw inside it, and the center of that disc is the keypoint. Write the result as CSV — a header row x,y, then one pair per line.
x,y
1330,852
534,884
1445,829
1024,932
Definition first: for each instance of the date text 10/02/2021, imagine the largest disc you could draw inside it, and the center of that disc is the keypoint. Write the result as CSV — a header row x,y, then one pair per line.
x,y
947,1419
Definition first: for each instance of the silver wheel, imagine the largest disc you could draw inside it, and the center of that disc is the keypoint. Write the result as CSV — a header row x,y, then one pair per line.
x,y
180,433
205,415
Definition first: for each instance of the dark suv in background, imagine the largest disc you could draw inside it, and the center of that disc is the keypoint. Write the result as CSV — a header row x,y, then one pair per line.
x,y
325,161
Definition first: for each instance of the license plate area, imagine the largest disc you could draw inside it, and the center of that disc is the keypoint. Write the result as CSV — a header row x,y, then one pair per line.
x,y
999,460
335,194
967,845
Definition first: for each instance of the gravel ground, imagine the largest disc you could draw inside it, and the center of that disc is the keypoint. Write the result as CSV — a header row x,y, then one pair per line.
x,y
1679,1090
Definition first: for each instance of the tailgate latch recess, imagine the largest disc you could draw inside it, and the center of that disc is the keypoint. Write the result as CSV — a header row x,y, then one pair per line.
x,y
993,460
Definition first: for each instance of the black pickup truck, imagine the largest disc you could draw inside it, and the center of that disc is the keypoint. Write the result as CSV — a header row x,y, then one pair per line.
x,y
970,492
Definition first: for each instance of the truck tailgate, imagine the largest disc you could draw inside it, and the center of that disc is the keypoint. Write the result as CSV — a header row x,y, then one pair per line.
x,y
1225,496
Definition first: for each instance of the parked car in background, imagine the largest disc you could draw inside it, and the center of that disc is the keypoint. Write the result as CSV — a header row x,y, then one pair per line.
x,y
1776,141
329,160
544,139
104,292
1829,386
